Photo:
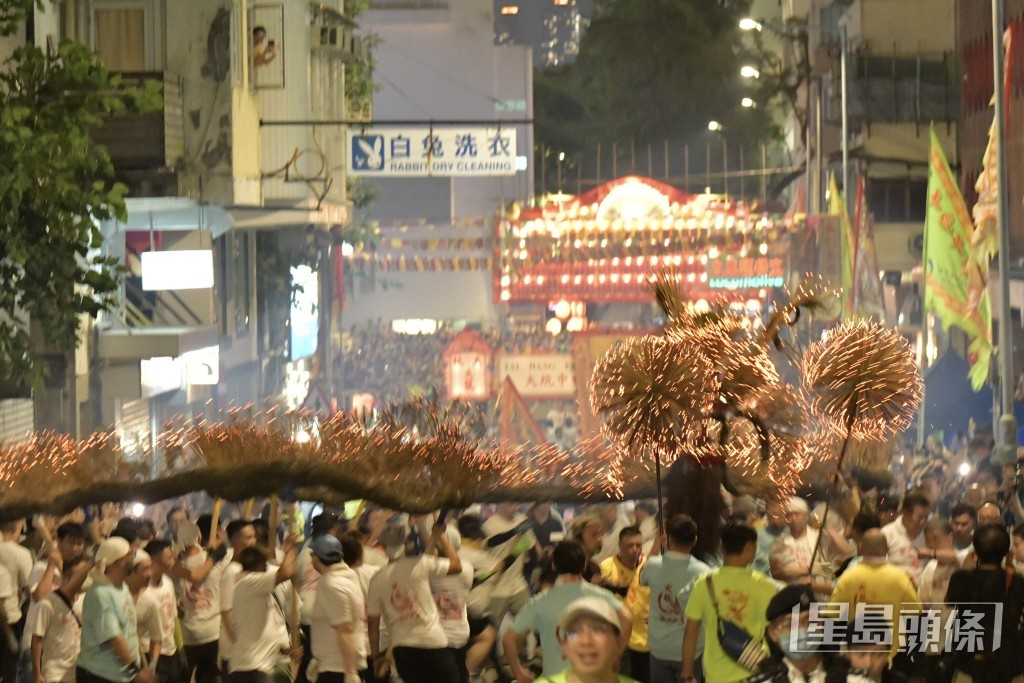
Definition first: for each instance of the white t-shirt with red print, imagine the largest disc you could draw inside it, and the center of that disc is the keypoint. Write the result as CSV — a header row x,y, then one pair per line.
x,y
400,595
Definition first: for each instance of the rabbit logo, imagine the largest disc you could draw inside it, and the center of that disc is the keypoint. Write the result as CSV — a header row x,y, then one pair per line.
x,y
368,153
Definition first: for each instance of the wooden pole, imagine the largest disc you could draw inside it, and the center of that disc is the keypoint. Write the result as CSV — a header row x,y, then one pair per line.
x,y
275,522
218,503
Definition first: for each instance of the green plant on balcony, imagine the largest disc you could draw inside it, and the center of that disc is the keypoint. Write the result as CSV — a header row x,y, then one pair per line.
x,y
359,83
56,184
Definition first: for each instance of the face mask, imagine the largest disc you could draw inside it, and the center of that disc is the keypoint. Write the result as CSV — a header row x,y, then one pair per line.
x,y
797,646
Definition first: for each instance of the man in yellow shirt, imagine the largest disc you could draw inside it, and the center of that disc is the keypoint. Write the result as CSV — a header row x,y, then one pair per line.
x,y
880,586
620,573
741,595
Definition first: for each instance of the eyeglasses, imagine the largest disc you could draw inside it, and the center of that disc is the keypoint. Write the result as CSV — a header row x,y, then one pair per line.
x,y
590,627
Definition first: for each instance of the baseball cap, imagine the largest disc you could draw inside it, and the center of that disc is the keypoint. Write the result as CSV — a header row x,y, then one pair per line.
x,y
112,550
789,597
327,548
797,505
588,607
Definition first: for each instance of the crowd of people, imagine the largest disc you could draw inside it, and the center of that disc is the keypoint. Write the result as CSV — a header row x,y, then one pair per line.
x,y
391,365
859,586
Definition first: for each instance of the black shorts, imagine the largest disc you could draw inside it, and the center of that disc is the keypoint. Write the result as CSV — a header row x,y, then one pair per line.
x,y
477,626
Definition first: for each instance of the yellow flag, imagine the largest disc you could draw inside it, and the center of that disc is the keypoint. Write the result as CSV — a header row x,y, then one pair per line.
x,y
837,207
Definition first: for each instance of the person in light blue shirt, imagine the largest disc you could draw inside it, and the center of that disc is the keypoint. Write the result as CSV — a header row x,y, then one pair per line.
x,y
774,526
670,577
542,613
110,642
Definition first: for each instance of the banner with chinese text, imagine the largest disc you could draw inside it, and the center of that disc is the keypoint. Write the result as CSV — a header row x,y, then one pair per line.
x,y
432,151
539,375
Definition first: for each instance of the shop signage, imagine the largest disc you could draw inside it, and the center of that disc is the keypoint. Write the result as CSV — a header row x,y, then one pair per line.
x,y
746,272
541,375
431,151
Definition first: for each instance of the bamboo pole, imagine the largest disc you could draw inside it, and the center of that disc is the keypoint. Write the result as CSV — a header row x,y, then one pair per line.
x,y
275,522
218,503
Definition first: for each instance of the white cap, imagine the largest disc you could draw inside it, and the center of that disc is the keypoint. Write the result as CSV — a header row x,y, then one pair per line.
x,y
797,505
591,607
110,551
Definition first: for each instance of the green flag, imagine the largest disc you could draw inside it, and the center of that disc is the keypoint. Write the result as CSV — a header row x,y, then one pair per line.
x,y
955,288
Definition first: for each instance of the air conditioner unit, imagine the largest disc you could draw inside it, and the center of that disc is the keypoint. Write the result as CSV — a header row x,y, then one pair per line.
x,y
331,37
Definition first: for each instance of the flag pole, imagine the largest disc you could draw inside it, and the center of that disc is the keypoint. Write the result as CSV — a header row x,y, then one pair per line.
x,y
925,327
1007,422
844,47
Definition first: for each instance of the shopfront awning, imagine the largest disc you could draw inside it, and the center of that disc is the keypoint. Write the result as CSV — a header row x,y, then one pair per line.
x,y
171,214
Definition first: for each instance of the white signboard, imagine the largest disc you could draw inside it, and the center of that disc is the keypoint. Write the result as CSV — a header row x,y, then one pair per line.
x,y
183,269
424,151
466,376
541,375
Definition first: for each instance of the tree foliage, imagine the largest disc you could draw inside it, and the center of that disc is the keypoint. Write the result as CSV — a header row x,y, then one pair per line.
x,y
55,185
649,71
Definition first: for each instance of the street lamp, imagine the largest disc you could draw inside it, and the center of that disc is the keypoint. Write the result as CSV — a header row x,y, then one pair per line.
x,y
561,158
748,24
716,127
748,71
748,103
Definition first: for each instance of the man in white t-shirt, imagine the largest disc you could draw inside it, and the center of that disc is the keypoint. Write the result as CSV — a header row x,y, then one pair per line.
x,y
8,639
792,552
508,538
147,611
169,668
241,535
56,640
905,534
352,549
308,579
258,620
451,592
338,621
199,572
400,595
17,559
45,578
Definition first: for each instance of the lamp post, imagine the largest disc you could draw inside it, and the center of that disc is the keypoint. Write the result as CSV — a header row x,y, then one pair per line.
x,y
716,127
795,31
561,158
1006,452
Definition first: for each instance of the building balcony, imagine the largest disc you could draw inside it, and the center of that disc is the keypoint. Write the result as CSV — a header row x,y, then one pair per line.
x,y
147,149
167,300
886,89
